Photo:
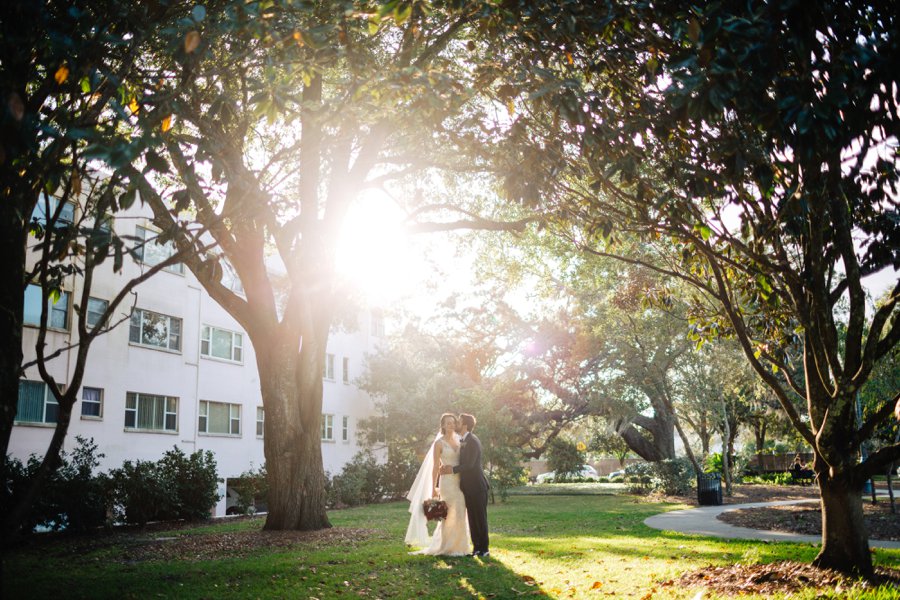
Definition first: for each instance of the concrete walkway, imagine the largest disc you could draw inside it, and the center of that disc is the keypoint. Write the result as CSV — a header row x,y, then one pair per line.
x,y
702,521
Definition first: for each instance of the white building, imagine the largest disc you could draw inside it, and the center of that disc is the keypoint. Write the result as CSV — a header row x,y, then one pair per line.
x,y
179,372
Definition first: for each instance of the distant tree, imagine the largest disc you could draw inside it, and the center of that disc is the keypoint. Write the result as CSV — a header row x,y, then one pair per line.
x,y
564,459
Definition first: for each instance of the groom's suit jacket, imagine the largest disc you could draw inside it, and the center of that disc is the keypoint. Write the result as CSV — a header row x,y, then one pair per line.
x,y
471,472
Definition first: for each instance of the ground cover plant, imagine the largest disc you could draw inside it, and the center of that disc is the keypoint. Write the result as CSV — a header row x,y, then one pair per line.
x,y
569,545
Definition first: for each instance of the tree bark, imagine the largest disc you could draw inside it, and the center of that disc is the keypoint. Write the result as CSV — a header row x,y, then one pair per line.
x,y
845,544
291,384
12,298
658,444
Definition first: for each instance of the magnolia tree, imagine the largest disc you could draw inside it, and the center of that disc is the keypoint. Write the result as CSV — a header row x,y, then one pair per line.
x,y
63,85
755,146
271,118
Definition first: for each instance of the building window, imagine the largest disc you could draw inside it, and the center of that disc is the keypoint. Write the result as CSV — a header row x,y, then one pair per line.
x,y
152,252
66,215
328,428
57,312
150,412
219,417
95,309
221,343
260,421
345,429
346,370
377,325
36,403
91,403
153,329
328,372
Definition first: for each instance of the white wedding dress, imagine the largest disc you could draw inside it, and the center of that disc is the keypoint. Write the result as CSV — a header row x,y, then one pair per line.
x,y
451,536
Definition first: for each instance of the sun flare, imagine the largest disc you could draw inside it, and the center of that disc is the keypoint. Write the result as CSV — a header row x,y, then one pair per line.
x,y
374,251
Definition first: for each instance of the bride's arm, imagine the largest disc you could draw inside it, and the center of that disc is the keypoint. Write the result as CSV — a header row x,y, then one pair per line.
x,y
436,470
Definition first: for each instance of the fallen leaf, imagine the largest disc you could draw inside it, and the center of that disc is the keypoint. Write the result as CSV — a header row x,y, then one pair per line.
x,y
597,585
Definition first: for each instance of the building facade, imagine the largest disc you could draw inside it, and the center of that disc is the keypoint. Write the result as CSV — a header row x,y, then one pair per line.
x,y
177,370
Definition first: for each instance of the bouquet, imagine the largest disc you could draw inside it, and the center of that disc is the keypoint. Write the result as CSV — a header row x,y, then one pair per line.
x,y
435,509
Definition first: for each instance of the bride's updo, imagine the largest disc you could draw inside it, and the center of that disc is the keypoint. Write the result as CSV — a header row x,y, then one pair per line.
x,y
444,418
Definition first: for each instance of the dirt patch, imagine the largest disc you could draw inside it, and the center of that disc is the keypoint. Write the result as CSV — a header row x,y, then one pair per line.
x,y
745,494
171,541
235,544
806,519
781,578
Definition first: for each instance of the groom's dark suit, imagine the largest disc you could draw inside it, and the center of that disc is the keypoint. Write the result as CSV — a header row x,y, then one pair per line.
x,y
474,486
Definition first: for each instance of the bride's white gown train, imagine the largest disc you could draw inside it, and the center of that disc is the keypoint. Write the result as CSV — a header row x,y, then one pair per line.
x,y
451,536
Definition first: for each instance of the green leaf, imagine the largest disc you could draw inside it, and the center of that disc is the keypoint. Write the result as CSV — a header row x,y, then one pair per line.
x,y
85,85
156,162
127,198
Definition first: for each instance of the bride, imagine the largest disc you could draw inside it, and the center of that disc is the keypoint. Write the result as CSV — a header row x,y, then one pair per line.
x,y
451,536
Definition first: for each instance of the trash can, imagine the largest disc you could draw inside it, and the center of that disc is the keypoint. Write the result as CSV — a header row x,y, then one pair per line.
x,y
709,489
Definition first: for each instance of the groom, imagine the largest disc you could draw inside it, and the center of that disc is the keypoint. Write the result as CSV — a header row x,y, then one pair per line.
x,y
473,483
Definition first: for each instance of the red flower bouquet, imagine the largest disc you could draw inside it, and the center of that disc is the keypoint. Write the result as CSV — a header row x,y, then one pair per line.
x,y
435,509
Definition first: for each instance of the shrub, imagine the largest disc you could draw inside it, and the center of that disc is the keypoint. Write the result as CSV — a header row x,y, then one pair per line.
x,y
192,480
713,463
81,495
360,482
177,486
139,492
398,474
71,498
673,477
252,488
638,478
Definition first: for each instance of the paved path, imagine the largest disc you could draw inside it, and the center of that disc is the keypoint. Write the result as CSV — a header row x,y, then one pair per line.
x,y
702,521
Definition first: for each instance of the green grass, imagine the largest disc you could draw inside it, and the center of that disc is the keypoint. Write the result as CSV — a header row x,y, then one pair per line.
x,y
565,546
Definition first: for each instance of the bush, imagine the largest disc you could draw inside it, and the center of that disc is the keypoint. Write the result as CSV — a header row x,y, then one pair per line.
x,y
139,493
714,463
193,482
252,488
639,478
671,477
769,479
398,474
177,486
360,482
71,498
81,495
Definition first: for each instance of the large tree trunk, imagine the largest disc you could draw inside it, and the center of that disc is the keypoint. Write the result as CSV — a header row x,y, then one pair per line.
x,y
12,273
659,441
845,543
291,385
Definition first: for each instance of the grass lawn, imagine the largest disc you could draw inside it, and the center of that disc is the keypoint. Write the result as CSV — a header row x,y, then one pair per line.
x,y
572,545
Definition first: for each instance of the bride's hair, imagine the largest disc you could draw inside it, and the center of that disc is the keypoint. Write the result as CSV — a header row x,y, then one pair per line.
x,y
443,417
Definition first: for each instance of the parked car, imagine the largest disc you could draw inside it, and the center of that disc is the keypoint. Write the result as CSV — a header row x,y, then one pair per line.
x,y
614,474
586,472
